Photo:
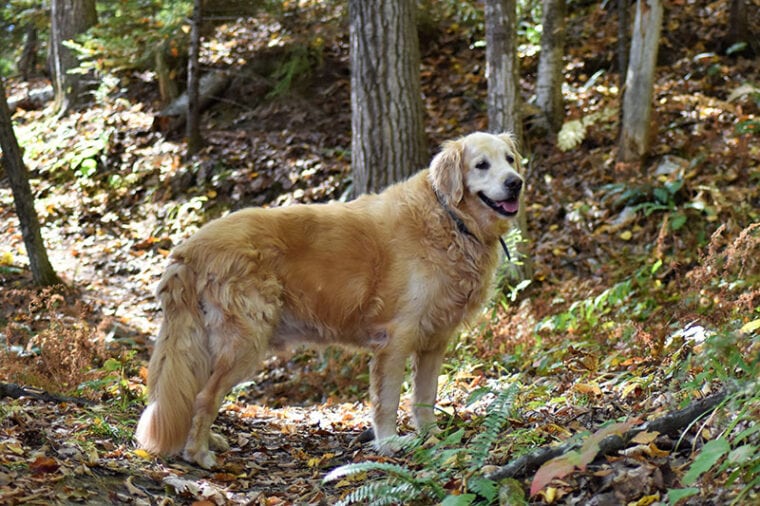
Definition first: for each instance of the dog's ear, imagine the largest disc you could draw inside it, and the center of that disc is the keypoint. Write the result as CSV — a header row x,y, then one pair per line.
x,y
509,140
446,172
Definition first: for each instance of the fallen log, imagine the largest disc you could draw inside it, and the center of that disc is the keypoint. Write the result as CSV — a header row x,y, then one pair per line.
x,y
34,99
172,117
18,391
669,423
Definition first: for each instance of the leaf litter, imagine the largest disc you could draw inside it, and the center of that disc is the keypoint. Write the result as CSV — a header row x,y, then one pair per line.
x,y
109,233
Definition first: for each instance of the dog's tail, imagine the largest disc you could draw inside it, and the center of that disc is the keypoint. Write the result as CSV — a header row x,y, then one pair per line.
x,y
179,367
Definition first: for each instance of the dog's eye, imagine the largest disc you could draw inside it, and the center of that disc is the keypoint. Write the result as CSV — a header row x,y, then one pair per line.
x,y
510,159
482,165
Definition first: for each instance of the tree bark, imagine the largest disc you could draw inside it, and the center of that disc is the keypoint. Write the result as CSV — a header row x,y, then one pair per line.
x,y
502,68
69,18
622,43
193,132
550,65
388,141
504,104
739,30
637,130
42,271
28,59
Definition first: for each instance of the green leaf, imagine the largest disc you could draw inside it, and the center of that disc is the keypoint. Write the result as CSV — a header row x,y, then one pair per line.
x,y
111,365
511,493
459,500
750,326
484,487
677,220
676,494
661,195
711,453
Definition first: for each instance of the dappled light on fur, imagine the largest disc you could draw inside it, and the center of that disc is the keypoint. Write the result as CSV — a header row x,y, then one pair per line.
x,y
396,273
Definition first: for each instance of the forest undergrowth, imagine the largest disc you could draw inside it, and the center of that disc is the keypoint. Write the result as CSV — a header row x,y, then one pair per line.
x,y
645,298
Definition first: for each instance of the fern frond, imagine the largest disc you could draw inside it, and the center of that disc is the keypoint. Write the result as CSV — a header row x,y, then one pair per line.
x,y
496,416
363,467
383,493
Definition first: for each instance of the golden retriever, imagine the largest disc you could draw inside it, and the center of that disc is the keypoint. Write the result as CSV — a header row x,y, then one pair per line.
x,y
395,273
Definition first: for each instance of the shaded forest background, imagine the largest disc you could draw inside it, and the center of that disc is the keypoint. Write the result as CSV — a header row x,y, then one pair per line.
x,y
644,298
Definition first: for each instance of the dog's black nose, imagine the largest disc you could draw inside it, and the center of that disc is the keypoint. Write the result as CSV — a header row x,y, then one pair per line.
x,y
513,184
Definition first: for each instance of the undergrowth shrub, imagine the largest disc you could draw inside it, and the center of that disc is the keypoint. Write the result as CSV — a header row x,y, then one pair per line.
x,y
445,471
49,344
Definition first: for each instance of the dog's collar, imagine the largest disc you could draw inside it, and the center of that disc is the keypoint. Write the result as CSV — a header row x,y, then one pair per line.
x,y
462,226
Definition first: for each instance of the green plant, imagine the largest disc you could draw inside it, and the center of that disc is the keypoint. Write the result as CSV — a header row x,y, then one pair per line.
x,y
734,453
125,40
573,132
669,198
432,466
114,381
296,66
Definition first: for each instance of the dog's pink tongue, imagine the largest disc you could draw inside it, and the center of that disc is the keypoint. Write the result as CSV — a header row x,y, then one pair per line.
x,y
509,206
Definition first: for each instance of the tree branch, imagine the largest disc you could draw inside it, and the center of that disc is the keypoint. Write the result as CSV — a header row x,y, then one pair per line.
x,y
671,422
17,391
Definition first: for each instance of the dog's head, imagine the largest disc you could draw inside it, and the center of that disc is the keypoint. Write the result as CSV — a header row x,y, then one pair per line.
x,y
484,166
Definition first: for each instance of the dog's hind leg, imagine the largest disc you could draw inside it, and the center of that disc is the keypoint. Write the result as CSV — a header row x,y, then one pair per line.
x,y
239,343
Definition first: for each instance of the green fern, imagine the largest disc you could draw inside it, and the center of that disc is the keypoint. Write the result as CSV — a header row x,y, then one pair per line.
x,y
422,479
496,416
382,493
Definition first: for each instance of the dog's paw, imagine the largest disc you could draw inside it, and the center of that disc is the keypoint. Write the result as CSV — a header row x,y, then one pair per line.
x,y
393,445
204,458
218,442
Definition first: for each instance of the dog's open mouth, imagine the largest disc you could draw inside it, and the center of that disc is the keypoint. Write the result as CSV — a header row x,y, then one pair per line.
x,y
507,207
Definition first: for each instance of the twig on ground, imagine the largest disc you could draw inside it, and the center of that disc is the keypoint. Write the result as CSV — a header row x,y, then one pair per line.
x,y
668,423
17,391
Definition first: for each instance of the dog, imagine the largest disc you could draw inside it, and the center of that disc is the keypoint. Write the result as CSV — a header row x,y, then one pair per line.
x,y
396,273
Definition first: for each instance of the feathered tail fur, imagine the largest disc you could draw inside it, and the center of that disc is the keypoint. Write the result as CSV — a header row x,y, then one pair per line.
x,y
179,367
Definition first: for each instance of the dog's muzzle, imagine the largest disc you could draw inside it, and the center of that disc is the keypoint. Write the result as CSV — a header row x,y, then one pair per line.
x,y
510,204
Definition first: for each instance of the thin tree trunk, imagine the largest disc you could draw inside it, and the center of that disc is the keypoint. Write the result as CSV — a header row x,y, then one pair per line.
x,y
502,68
388,140
739,30
69,18
622,43
550,65
193,132
637,130
504,104
28,59
42,271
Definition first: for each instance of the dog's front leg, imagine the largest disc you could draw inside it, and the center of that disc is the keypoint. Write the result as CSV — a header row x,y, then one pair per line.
x,y
386,376
426,365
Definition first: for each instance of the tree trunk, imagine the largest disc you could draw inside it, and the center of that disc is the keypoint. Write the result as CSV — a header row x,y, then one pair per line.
x,y
622,44
69,19
502,68
550,65
193,132
28,59
504,109
42,271
739,30
167,86
637,130
387,131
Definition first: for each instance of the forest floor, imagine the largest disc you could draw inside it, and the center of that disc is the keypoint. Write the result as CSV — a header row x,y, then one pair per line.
x,y
644,294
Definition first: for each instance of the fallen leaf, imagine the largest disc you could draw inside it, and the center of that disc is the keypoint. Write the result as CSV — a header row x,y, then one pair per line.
x,y
44,465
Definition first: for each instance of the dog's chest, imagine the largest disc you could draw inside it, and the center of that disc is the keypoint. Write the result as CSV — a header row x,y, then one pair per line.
x,y
441,301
